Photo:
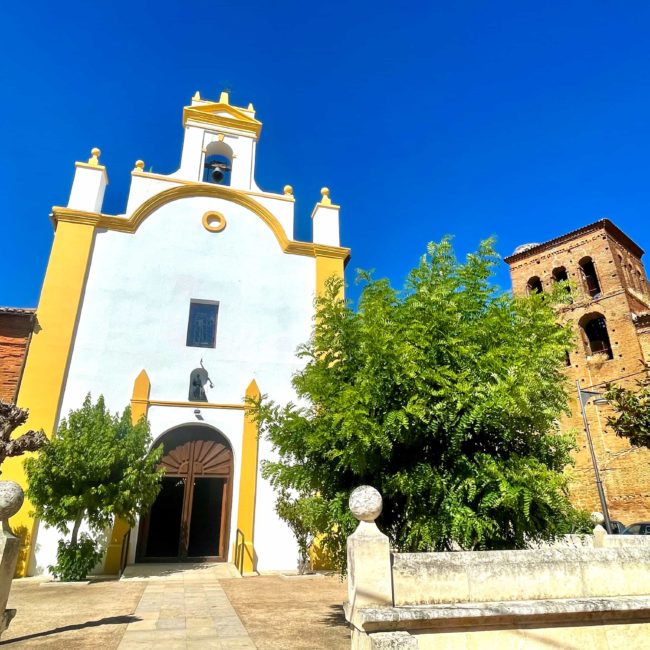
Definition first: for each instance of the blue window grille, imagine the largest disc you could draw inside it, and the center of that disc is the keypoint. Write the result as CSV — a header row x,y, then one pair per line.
x,y
202,326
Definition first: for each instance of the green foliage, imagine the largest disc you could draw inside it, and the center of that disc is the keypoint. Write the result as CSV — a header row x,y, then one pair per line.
x,y
632,418
97,467
445,396
74,561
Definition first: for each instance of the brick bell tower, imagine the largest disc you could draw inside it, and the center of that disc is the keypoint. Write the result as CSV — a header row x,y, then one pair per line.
x,y
610,315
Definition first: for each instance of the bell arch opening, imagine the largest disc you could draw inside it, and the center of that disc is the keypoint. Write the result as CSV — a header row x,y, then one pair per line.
x,y
190,518
218,163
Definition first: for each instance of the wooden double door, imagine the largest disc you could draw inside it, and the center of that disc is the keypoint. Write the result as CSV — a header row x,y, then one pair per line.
x,y
190,518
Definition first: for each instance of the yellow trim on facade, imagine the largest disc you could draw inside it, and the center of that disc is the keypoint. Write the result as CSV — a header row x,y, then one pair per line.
x,y
236,119
139,408
195,405
326,267
44,376
213,221
248,482
132,223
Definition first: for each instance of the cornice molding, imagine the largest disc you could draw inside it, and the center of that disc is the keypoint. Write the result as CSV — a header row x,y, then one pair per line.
x,y
131,224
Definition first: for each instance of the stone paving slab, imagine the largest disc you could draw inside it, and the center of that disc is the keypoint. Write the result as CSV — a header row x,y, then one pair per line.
x,y
184,607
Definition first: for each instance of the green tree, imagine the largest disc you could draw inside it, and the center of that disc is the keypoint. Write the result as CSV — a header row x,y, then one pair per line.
x,y
445,396
97,467
307,518
632,417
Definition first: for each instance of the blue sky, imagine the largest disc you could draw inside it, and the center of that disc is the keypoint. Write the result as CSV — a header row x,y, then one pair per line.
x,y
521,120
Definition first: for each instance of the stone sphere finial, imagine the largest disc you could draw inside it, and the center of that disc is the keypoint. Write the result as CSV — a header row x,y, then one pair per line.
x,y
288,190
94,157
365,503
11,499
139,166
325,196
597,518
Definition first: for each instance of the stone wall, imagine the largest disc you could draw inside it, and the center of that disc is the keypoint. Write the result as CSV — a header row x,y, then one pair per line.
x,y
595,595
625,294
15,332
485,576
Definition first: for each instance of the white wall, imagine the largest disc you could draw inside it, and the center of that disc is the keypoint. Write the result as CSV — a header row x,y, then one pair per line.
x,y
134,315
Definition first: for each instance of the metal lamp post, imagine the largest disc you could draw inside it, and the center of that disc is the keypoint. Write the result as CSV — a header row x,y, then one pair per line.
x,y
583,397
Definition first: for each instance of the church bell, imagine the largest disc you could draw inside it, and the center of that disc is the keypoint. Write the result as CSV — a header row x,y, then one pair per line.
x,y
219,170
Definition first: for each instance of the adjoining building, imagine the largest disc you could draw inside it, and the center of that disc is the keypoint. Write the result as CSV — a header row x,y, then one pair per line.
x,y
15,333
192,300
610,314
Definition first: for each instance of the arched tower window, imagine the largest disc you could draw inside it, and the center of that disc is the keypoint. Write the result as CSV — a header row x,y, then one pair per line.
x,y
589,276
560,275
594,329
218,163
535,285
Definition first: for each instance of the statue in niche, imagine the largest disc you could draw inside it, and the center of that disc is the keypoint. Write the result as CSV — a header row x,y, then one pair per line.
x,y
198,379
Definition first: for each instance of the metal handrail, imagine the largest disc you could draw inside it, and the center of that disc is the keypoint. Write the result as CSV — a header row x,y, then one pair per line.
x,y
240,549
124,553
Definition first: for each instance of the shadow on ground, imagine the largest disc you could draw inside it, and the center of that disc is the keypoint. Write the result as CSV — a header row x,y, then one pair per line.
x,y
335,617
109,620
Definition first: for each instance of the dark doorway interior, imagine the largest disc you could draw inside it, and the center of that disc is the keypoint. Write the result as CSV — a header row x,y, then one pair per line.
x,y
165,519
206,517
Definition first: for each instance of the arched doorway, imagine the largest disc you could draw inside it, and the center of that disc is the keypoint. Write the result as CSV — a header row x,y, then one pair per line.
x,y
190,517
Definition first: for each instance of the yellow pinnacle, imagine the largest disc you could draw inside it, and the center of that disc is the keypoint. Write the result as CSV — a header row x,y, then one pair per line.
x,y
325,196
94,159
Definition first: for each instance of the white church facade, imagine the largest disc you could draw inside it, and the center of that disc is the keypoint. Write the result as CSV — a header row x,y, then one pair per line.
x,y
193,299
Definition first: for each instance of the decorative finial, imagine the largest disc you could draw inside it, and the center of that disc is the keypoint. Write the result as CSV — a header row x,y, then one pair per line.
x,y
224,97
197,96
250,107
365,503
325,196
288,190
94,159
139,166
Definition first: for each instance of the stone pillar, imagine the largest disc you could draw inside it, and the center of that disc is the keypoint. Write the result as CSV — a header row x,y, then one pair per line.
x,y
369,571
89,185
325,221
11,499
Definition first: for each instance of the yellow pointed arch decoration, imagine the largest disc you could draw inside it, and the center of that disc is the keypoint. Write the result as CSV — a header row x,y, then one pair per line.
x,y
132,223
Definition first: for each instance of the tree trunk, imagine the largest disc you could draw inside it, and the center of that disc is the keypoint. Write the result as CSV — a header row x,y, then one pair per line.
x,y
77,524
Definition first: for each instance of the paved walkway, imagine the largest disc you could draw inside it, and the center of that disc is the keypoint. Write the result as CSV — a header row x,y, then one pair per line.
x,y
184,607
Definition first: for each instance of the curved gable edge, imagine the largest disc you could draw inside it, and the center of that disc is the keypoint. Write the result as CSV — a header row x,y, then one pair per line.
x,y
131,224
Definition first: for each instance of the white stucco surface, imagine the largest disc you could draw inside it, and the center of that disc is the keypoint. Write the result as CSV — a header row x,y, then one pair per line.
x,y
134,316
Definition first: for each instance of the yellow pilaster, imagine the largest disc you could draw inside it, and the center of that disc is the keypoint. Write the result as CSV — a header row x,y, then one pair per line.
x,y
248,482
326,267
139,409
47,361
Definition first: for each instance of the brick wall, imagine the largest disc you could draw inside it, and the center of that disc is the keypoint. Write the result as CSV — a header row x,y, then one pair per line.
x,y
624,292
15,329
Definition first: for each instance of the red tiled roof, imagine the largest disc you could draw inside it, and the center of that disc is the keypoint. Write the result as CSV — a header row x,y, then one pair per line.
x,y
18,310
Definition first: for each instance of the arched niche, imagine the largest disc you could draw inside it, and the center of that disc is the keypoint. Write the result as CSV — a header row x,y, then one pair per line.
x,y
191,516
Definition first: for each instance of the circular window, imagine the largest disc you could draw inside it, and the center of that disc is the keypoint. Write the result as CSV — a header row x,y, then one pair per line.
x,y
214,221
